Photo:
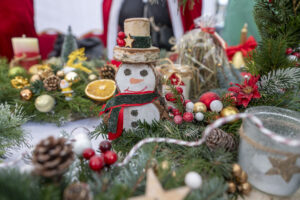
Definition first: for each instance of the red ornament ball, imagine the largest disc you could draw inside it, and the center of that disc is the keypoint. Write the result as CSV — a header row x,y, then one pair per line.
x,y
88,153
297,54
170,108
187,101
105,146
110,157
176,112
96,163
288,51
178,119
179,90
208,97
170,97
120,42
188,117
121,35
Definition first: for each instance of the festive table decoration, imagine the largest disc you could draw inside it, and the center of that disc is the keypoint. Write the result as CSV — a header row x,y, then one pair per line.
x,y
218,138
154,190
276,164
77,191
44,103
19,82
108,71
26,94
101,90
239,182
51,83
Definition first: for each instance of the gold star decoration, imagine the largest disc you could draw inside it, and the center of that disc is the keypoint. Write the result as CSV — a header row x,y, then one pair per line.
x,y
285,168
154,190
129,41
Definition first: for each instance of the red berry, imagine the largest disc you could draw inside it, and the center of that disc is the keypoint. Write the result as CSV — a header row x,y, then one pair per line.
x,y
120,42
170,108
297,54
208,97
176,112
104,146
187,101
170,97
121,35
178,119
96,163
110,157
288,51
188,117
179,90
88,153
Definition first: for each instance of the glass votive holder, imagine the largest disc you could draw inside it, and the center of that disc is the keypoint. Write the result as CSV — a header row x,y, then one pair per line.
x,y
272,167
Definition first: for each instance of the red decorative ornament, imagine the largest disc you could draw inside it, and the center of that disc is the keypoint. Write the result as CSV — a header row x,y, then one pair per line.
x,y
176,112
96,163
208,97
170,97
289,51
188,117
178,119
121,35
175,80
110,157
88,153
244,93
179,90
104,146
170,108
297,54
121,43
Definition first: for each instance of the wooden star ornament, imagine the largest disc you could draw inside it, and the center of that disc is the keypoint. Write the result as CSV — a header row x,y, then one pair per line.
x,y
129,40
285,168
154,190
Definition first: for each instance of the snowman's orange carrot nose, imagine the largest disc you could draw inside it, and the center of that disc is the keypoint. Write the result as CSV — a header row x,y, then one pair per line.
x,y
136,80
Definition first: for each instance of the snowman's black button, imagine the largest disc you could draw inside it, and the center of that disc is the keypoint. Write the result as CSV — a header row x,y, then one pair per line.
x,y
144,72
134,124
127,72
134,113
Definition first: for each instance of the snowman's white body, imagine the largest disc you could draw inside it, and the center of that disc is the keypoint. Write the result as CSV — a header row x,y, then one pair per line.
x,y
137,78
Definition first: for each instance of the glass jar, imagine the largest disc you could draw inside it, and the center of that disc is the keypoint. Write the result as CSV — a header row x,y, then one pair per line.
x,y
272,167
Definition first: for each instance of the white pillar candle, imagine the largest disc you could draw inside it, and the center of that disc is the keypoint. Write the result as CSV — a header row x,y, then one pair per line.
x,y
25,45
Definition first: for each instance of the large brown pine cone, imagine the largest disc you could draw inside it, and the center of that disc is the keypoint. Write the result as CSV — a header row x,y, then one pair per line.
x,y
218,138
77,191
52,157
51,83
108,71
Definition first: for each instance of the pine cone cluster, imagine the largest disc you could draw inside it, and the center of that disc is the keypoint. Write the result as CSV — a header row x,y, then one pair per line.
x,y
218,138
52,157
77,191
108,72
45,73
51,83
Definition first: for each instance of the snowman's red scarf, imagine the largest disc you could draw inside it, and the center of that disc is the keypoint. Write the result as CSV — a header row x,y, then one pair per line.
x,y
116,106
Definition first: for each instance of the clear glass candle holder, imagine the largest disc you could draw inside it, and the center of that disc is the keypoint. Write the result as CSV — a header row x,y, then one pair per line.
x,y
272,167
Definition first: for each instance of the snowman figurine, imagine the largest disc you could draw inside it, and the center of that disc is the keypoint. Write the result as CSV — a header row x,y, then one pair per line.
x,y
135,80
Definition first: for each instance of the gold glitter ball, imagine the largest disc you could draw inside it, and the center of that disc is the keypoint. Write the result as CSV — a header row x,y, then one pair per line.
x,y
237,170
26,94
199,107
231,187
35,78
60,73
72,77
246,188
243,177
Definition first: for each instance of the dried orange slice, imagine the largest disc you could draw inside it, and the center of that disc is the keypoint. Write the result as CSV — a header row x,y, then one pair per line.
x,y
100,90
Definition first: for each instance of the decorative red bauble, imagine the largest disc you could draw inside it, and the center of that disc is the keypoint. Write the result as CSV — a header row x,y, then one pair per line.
x,y
110,157
170,108
176,112
121,35
179,90
288,51
208,97
88,153
170,97
96,163
178,119
121,43
187,101
104,146
188,117
297,54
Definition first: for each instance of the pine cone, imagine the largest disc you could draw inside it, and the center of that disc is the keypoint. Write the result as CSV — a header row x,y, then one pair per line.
x,y
45,73
51,83
108,72
77,191
218,138
52,157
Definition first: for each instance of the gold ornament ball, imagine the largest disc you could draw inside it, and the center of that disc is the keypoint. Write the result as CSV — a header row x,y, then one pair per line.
x,y
237,170
228,111
26,94
60,73
231,187
72,77
199,107
246,188
34,78
243,177
34,69
44,103
92,77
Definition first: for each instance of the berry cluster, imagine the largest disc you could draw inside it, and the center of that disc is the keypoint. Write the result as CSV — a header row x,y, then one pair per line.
x,y
120,39
290,51
97,162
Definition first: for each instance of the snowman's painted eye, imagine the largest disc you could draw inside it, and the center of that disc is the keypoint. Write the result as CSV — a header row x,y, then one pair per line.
x,y
144,72
127,72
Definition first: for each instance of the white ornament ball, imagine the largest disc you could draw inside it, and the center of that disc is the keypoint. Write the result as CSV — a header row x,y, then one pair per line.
x,y
199,116
216,106
44,103
292,58
189,107
193,180
81,142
